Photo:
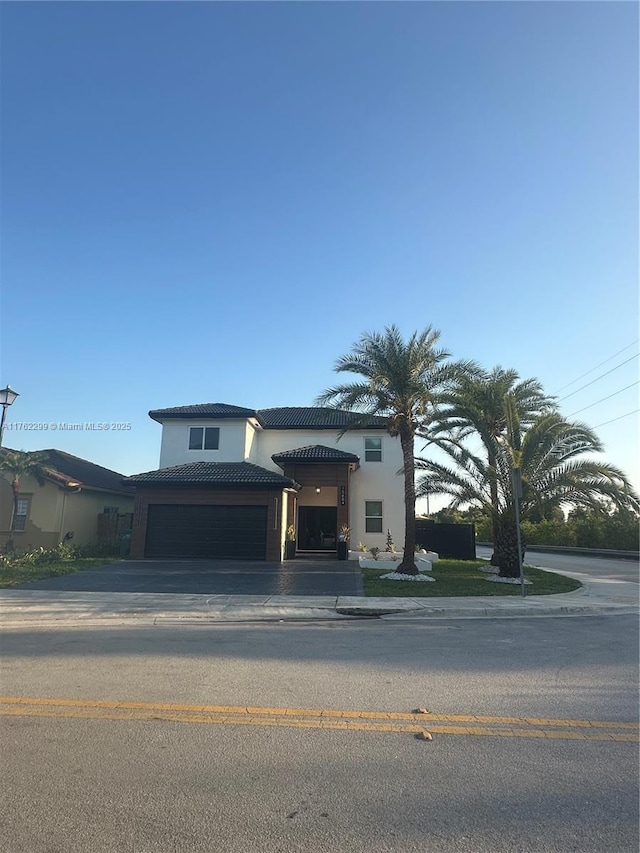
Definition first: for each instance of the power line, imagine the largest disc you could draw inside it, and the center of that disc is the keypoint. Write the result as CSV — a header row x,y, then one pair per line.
x,y
604,398
602,375
616,419
596,367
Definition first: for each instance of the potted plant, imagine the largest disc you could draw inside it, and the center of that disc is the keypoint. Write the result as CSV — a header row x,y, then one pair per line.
x,y
343,542
290,543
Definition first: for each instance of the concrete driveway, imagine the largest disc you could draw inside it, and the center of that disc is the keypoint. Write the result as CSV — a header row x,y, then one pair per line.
x,y
214,577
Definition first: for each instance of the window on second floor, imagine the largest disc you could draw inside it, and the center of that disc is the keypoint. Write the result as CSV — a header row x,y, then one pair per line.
x,y
373,450
204,438
21,514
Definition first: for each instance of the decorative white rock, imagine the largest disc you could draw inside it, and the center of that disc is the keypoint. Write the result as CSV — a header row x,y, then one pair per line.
x,y
394,576
498,579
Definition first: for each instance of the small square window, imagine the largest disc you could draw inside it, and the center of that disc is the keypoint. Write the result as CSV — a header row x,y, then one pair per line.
x,y
373,450
204,438
373,516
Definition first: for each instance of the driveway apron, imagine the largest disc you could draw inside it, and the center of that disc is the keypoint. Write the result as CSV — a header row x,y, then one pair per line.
x,y
214,577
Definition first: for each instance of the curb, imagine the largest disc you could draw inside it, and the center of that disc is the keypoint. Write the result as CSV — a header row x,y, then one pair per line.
x,y
260,614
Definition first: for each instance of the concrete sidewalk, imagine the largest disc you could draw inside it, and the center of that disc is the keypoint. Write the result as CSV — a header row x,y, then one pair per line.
x,y
46,607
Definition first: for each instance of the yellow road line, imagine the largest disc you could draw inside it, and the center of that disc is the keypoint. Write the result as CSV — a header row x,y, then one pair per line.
x,y
459,724
313,712
286,721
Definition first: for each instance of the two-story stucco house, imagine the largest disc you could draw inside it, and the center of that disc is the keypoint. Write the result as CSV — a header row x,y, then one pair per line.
x,y
232,480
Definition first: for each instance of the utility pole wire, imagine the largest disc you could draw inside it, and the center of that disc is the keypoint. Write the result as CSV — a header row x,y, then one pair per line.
x,y
617,419
604,398
596,367
602,375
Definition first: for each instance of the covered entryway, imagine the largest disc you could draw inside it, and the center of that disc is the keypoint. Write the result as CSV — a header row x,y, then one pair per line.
x,y
317,528
224,532
320,508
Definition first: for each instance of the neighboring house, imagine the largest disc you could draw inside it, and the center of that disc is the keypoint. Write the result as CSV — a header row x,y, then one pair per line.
x,y
74,494
233,479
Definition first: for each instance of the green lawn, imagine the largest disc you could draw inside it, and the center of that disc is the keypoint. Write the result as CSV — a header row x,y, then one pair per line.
x,y
16,573
462,577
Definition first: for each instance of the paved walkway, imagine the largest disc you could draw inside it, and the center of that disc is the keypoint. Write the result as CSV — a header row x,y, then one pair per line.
x,y
40,607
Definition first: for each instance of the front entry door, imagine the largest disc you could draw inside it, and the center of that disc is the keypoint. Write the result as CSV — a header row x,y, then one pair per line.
x,y
317,528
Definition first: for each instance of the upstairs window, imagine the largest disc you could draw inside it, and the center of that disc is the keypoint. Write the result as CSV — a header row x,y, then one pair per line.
x,y
204,438
373,450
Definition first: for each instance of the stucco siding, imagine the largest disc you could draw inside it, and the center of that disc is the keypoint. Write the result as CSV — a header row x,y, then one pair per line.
x,y
240,440
371,481
81,510
53,512
41,529
174,449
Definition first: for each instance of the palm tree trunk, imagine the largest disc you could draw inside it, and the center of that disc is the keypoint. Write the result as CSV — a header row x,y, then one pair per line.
x,y
15,488
408,564
506,547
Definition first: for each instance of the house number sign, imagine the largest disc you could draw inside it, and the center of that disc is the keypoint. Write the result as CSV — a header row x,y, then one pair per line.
x,y
342,495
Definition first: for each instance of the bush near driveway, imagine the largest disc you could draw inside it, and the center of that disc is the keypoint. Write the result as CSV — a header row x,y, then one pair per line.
x,y
28,566
463,577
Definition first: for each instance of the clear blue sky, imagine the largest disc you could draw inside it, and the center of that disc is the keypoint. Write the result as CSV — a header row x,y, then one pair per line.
x,y
211,202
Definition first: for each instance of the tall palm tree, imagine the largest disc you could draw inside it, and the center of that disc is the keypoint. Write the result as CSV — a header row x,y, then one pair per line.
x,y
400,381
19,463
476,407
550,454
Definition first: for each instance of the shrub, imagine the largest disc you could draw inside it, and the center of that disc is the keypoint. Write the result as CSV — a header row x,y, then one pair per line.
x,y
391,548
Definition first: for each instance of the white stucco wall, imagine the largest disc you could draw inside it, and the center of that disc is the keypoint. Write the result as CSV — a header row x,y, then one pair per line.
x,y
240,441
372,481
174,448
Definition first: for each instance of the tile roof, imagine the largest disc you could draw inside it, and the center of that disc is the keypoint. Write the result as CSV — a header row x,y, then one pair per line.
x,y
289,417
203,410
216,473
313,453
314,417
66,468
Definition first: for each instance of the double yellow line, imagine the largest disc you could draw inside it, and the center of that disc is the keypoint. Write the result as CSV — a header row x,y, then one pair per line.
x,y
315,718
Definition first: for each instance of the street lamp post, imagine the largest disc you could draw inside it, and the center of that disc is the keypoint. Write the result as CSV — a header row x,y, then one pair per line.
x,y
517,496
7,398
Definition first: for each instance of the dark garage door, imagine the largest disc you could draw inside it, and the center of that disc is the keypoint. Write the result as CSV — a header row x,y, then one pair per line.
x,y
175,530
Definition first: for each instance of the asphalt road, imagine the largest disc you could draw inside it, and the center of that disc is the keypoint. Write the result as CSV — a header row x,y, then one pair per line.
x,y
595,568
95,779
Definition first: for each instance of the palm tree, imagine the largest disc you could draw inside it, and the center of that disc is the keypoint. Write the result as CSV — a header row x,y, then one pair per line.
x,y
19,463
400,381
550,454
476,407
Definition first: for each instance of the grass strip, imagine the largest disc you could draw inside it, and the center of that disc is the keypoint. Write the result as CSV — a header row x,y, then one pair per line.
x,y
462,578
